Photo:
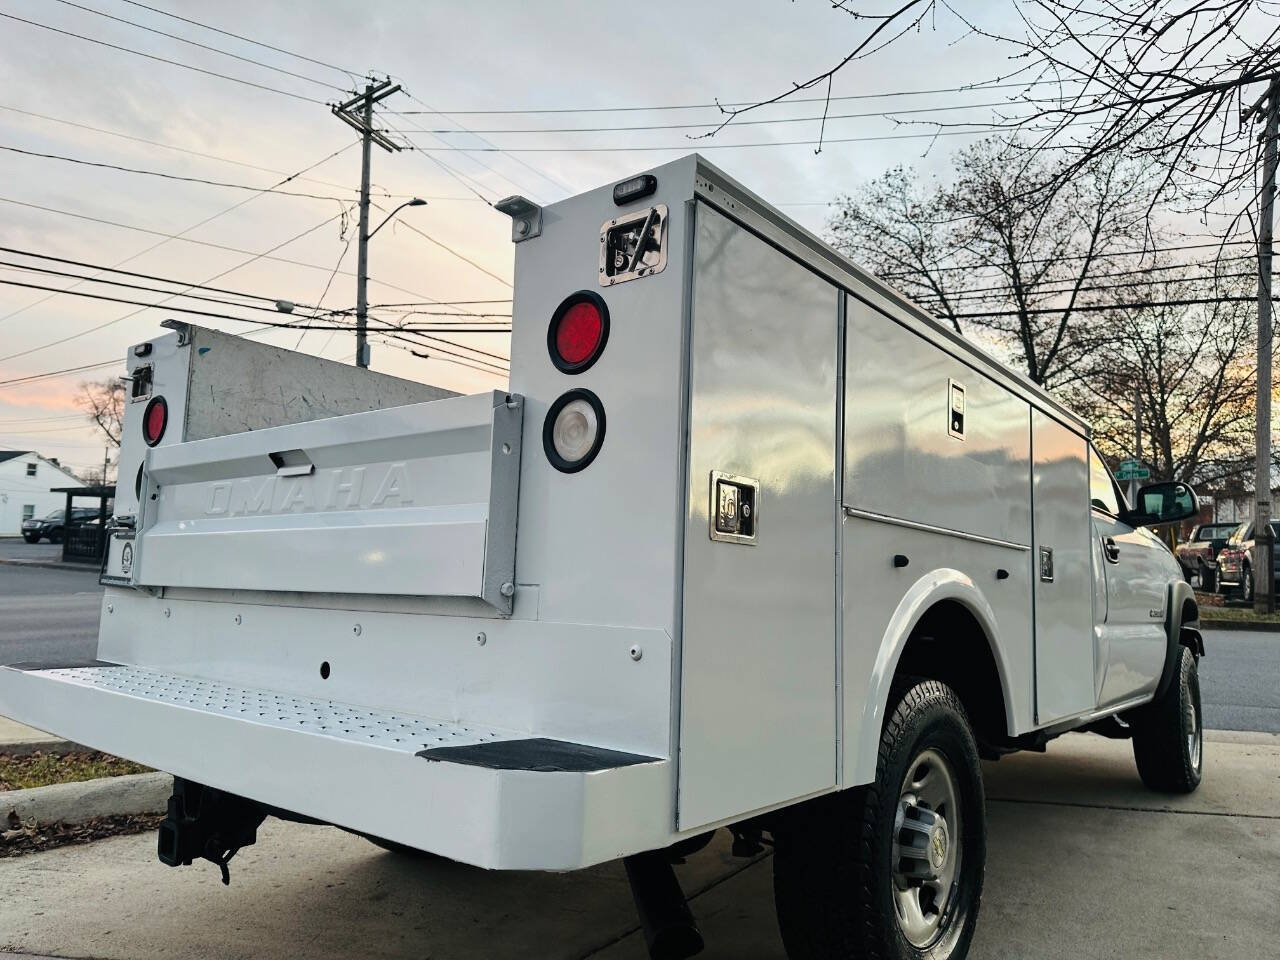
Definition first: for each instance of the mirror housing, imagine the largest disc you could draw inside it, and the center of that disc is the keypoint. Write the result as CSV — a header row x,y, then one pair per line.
x,y
1163,503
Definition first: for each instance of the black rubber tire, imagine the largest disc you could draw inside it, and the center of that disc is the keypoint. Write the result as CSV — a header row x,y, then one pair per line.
x,y
1160,732
1246,584
832,870
55,536
1208,578
31,539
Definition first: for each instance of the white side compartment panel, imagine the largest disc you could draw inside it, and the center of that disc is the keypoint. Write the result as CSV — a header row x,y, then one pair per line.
x,y
902,460
758,720
1064,593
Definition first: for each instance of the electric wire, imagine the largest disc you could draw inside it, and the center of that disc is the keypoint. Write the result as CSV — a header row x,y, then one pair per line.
x,y
202,46
352,74
167,237
220,159
168,176
172,63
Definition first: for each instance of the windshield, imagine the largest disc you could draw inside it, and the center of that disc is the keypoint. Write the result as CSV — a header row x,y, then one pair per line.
x,y
1241,532
56,515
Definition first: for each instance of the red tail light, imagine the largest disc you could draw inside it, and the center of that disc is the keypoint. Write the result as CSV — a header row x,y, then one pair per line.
x,y
154,421
578,332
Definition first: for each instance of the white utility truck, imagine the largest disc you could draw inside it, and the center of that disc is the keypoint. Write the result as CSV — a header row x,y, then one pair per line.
x,y
826,555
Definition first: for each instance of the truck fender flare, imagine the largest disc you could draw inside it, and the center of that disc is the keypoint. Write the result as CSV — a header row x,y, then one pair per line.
x,y
937,585
1178,633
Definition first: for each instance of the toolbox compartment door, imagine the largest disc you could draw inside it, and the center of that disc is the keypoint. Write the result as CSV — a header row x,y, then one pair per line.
x,y
417,500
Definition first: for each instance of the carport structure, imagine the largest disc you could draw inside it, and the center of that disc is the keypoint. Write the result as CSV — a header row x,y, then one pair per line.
x,y
83,543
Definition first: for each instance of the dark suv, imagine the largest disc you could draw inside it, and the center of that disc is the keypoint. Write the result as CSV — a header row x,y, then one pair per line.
x,y
1199,555
1235,561
52,526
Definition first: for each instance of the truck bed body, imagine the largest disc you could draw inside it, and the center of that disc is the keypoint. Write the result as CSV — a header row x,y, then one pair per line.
x,y
401,618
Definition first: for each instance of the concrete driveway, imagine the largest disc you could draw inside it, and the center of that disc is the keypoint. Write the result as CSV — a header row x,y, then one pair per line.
x,y
1083,863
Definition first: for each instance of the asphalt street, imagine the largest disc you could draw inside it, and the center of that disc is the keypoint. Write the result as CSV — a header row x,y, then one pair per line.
x,y
48,614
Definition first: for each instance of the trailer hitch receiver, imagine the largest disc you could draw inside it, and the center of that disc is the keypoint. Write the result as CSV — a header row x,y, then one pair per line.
x,y
203,823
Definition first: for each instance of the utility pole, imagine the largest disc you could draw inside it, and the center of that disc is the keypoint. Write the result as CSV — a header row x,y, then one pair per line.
x,y
1137,444
358,114
106,463
1264,542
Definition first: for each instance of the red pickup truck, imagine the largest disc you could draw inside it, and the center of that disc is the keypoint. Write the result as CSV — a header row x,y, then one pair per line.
x,y
1198,556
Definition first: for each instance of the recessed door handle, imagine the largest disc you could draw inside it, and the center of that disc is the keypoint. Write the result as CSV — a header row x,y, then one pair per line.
x,y
1111,550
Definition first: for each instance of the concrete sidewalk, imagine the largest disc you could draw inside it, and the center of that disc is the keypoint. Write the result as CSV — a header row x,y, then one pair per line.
x,y
1083,863
17,738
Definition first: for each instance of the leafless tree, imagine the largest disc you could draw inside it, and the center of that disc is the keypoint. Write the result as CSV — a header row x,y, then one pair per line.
x,y
103,402
1162,79
998,254
1187,346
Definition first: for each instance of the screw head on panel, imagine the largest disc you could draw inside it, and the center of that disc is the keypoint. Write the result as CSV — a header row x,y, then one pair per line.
x,y
237,619
507,589
481,639
636,652
357,630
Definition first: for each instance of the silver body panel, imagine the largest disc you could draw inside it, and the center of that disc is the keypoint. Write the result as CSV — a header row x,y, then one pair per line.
x,y
758,660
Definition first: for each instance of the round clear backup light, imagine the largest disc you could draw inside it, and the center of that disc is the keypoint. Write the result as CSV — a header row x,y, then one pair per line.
x,y
573,430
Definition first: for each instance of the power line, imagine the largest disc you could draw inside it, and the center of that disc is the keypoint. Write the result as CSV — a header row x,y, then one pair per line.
x,y
691,146
172,63
168,237
1095,256
58,373
443,246
1096,307
289,325
166,176
199,243
352,74
202,46
706,126
138,276
716,105
216,157
133,286
254,257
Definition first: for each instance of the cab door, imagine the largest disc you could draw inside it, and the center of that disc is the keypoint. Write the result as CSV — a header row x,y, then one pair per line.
x,y
1132,568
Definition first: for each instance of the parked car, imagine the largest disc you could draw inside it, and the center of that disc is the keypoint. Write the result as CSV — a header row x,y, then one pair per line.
x,y
1198,556
52,526
1235,561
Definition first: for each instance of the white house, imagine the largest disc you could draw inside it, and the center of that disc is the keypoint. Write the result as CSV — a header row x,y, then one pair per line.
x,y
25,481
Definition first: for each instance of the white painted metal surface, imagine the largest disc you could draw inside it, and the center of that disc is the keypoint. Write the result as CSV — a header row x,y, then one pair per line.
x,y
500,819
758,665
1064,598
409,500
900,458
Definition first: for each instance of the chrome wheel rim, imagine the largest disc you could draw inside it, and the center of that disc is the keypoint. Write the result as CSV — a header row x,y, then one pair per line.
x,y
926,848
1195,736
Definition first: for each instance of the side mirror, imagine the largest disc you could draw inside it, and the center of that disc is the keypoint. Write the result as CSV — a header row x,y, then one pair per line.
x,y
1163,503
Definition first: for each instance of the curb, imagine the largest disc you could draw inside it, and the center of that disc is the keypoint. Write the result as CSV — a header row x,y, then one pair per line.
x,y
1206,624
104,797
49,564
24,748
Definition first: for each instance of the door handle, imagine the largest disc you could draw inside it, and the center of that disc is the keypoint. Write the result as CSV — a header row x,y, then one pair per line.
x,y
1111,550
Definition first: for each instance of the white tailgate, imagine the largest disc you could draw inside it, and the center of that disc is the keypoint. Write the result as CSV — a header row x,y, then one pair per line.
x,y
417,500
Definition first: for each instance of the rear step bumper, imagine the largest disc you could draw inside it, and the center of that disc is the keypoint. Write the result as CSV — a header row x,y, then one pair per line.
x,y
494,798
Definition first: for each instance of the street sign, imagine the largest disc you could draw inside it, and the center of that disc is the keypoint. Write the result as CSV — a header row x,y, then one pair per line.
x,y
1132,470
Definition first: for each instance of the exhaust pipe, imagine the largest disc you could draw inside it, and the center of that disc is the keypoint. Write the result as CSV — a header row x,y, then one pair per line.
x,y
670,932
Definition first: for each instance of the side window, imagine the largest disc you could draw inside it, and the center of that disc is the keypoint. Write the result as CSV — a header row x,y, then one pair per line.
x,y
1102,490
28,511
31,469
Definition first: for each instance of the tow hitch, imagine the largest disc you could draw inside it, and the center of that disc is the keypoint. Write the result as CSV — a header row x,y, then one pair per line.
x,y
209,824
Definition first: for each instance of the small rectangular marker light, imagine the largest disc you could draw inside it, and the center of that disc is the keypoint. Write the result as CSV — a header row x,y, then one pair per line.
x,y
637,188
